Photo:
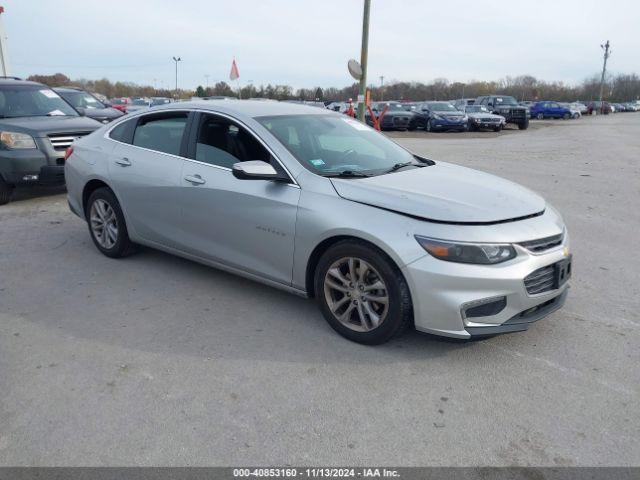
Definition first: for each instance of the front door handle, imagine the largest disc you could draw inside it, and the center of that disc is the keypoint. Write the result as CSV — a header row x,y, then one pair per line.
x,y
195,179
124,162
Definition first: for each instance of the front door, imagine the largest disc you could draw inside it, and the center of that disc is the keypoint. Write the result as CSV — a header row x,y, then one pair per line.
x,y
246,224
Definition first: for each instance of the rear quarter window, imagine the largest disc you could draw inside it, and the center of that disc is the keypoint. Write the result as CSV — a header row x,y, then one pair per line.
x,y
123,132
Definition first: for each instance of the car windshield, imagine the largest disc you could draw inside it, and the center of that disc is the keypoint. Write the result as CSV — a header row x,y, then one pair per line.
x,y
442,107
328,144
391,106
32,101
118,101
476,108
159,101
140,101
82,100
506,101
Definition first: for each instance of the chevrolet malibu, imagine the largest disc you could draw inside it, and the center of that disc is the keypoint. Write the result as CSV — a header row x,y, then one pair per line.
x,y
316,203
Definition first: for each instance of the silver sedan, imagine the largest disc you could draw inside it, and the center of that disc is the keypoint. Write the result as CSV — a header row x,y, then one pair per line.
x,y
318,204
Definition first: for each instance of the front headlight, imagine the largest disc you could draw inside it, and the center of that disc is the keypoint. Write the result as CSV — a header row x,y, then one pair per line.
x,y
480,253
16,141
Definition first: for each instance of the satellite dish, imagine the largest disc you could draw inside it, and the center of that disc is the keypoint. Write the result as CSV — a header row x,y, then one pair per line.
x,y
355,69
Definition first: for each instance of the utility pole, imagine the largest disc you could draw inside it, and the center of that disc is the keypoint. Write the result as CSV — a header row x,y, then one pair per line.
x,y
381,87
206,79
176,59
363,59
607,52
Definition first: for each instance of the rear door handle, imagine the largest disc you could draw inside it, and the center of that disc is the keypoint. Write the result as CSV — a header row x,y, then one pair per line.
x,y
124,162
195,179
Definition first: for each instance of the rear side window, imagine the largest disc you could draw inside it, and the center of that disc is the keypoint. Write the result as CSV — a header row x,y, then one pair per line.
x,y
122,133
162,133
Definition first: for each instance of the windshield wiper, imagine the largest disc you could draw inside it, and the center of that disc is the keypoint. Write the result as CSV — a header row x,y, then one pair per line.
x,y
398,166
348,174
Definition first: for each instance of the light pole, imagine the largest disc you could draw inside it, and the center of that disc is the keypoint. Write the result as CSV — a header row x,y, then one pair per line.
x,y
206,79
363,59
176,59
381,87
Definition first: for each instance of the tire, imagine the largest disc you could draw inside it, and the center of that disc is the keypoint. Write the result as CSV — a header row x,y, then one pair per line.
x,y
6,192
576,116
103,203
566,116
524,125
540,116
497,129
472,127
394,317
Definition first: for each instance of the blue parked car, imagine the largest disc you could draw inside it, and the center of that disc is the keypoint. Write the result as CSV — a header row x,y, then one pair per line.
x,y
546,109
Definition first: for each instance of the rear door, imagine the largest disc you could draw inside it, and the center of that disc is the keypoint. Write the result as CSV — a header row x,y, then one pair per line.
x,y
246,224
145,171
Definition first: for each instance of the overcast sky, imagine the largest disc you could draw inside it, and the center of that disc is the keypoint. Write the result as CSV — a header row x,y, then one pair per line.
x,y
307,43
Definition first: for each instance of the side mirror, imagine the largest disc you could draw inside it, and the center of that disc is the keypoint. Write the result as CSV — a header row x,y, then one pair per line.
x,y
81,111
255,170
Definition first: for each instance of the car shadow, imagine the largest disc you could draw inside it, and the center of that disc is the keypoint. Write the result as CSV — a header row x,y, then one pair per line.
x,y
23,193
156,302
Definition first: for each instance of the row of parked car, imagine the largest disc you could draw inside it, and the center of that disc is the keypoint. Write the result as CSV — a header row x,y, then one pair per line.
x,y
488,112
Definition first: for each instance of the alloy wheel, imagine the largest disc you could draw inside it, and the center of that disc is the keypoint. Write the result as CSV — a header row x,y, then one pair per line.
x,y
356,294
104,224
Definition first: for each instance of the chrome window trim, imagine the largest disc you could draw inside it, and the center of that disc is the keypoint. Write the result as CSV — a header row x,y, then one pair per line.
x,y
200,110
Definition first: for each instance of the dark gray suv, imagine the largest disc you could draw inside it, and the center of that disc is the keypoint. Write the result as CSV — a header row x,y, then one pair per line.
x,y
36,128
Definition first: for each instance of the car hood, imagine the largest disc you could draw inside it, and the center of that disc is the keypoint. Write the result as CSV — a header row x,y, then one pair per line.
x,y
483,115
100,113
40,126
444,193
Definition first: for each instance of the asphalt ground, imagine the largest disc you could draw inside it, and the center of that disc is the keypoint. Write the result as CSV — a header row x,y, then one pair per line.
x,y
155,360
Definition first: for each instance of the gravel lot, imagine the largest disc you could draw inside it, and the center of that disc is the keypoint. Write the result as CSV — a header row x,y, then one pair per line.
x,y
154,360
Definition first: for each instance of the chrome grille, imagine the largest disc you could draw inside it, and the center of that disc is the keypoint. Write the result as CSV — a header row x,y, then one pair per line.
x,y
62,141
543,244
541,280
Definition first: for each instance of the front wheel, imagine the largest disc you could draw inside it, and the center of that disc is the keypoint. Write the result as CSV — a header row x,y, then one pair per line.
x,y
6,192
361,293
524,124
566,116
540,116
429,127
107,225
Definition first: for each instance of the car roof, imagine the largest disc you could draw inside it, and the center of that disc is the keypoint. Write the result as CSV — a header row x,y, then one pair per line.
x,y
18,81
250,108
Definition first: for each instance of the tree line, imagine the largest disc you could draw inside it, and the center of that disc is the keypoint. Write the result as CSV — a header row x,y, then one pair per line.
x,y
618,88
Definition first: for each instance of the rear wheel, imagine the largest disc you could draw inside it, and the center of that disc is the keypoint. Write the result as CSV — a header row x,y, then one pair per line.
x,y
107,225
566,116
540,116
6,191
361,293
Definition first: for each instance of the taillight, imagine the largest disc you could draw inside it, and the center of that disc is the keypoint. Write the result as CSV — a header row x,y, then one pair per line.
x,y
68,153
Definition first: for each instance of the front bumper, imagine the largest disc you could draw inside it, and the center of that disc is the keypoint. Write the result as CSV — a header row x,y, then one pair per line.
x,y
39,166
442,290
448,125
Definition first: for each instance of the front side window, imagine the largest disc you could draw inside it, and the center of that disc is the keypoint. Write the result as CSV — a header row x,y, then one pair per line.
x,y
162,133
32,101
328,144
221,142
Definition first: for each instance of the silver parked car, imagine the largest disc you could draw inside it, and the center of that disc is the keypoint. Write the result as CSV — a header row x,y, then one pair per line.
x,y
316,203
